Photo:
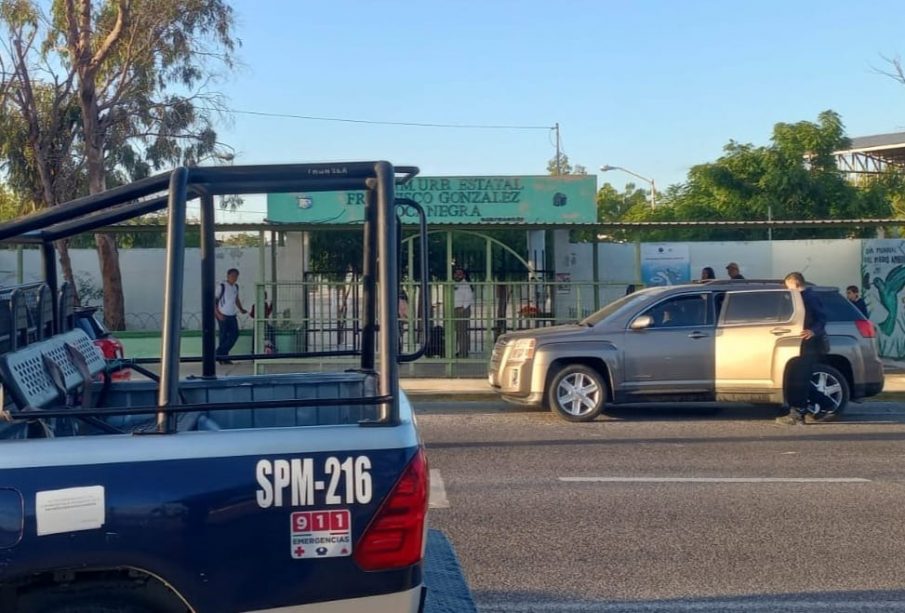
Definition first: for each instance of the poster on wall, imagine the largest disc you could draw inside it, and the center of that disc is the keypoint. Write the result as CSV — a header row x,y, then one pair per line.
x,y
665,264
882,285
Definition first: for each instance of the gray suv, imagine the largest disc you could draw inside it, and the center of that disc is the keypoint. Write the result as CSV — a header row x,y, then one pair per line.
x,y
723,341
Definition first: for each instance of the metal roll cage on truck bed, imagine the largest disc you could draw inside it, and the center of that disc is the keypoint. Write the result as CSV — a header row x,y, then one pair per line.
x,y
208,494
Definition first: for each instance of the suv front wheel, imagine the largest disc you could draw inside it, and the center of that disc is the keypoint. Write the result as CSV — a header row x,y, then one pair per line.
x,y
577,393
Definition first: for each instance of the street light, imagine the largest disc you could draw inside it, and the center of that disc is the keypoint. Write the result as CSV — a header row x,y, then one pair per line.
x,y
653,186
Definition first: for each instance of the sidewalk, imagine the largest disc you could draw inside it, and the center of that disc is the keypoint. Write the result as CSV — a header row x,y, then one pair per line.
x,y
468,390
894,376
473,390
437,388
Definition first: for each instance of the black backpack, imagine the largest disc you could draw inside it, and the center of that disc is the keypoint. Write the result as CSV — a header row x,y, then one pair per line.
x,y
223,291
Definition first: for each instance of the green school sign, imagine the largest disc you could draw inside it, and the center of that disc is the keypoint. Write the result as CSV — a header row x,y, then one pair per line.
x,y
456,200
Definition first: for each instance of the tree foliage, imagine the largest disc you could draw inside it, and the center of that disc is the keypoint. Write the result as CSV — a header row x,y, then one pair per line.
x,y
794,177
132,82
243,239
9,204
564,167
144,238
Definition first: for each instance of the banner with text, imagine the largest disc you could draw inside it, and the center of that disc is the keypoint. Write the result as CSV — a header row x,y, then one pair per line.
x,y
456,200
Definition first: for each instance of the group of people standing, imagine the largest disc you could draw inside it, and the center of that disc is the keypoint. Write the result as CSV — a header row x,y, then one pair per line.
x,y
732,269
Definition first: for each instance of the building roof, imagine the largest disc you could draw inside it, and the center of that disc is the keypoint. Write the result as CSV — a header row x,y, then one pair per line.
x,y
888,148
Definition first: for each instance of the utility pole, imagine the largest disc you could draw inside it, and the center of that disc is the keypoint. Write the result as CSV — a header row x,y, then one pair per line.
x,y
558,155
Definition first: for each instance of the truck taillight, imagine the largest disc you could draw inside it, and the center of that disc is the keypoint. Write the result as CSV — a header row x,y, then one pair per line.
x,y
395,537
866,328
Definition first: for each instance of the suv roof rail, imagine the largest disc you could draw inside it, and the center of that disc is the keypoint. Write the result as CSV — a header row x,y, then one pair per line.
x,y
750,281
740,281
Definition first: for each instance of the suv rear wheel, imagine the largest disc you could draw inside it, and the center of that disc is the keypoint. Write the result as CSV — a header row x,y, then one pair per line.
x,y
577,393
832,384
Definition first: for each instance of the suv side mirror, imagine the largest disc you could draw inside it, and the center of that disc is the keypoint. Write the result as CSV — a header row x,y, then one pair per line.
x,y
641,322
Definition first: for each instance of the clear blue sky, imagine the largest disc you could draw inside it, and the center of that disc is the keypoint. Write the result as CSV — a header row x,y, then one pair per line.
x,y
656,86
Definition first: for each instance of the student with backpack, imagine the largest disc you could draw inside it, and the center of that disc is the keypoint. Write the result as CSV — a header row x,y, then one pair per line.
x,y
226,309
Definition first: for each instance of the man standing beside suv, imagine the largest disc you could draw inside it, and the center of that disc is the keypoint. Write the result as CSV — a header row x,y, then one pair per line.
x,y
814,345
733,271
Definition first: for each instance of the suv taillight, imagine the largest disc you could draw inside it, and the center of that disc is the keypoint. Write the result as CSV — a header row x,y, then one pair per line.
x,y
866,328
395,537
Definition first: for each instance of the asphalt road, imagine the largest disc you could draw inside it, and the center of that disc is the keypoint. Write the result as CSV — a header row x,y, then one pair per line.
x,y
671,509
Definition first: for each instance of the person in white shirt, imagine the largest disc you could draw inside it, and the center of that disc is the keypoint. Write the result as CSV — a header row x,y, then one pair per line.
x,y
226,309
463,301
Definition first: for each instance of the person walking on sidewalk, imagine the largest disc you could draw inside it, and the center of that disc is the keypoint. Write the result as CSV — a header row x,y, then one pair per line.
x,y
226,309
814,345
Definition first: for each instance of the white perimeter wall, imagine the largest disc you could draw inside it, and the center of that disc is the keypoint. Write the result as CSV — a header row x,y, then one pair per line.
x,y
825,262
143,279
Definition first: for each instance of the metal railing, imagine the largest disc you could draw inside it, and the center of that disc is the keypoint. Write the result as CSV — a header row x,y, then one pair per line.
x,y
322,316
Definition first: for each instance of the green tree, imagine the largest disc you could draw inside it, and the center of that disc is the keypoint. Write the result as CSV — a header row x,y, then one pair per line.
x,y
144,238
138,74
332,252
564,167
9,204
794,177
243,239
615,206
39,120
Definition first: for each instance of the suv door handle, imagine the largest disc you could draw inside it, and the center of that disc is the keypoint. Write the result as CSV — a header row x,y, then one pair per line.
x,y
778,331
697,334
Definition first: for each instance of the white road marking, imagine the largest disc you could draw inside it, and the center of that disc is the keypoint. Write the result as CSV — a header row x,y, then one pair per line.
x,y
714,480
438,499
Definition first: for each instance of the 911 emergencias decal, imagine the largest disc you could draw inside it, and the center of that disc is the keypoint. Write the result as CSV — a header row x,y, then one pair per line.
x,y
321,534
295,482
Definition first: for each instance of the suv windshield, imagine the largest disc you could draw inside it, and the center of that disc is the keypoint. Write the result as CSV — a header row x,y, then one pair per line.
x,y
635,299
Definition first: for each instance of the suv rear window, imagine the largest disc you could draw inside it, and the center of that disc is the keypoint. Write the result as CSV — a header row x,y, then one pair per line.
x,y
838,307
757,307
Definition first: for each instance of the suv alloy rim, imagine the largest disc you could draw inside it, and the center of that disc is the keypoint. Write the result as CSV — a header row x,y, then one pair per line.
x,y
829,386
578,394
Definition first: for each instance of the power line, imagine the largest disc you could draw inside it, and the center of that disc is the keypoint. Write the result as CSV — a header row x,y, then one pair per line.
x,y
415,124
470,126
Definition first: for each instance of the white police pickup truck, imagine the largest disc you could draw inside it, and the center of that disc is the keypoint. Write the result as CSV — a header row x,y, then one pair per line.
x,y
289,492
